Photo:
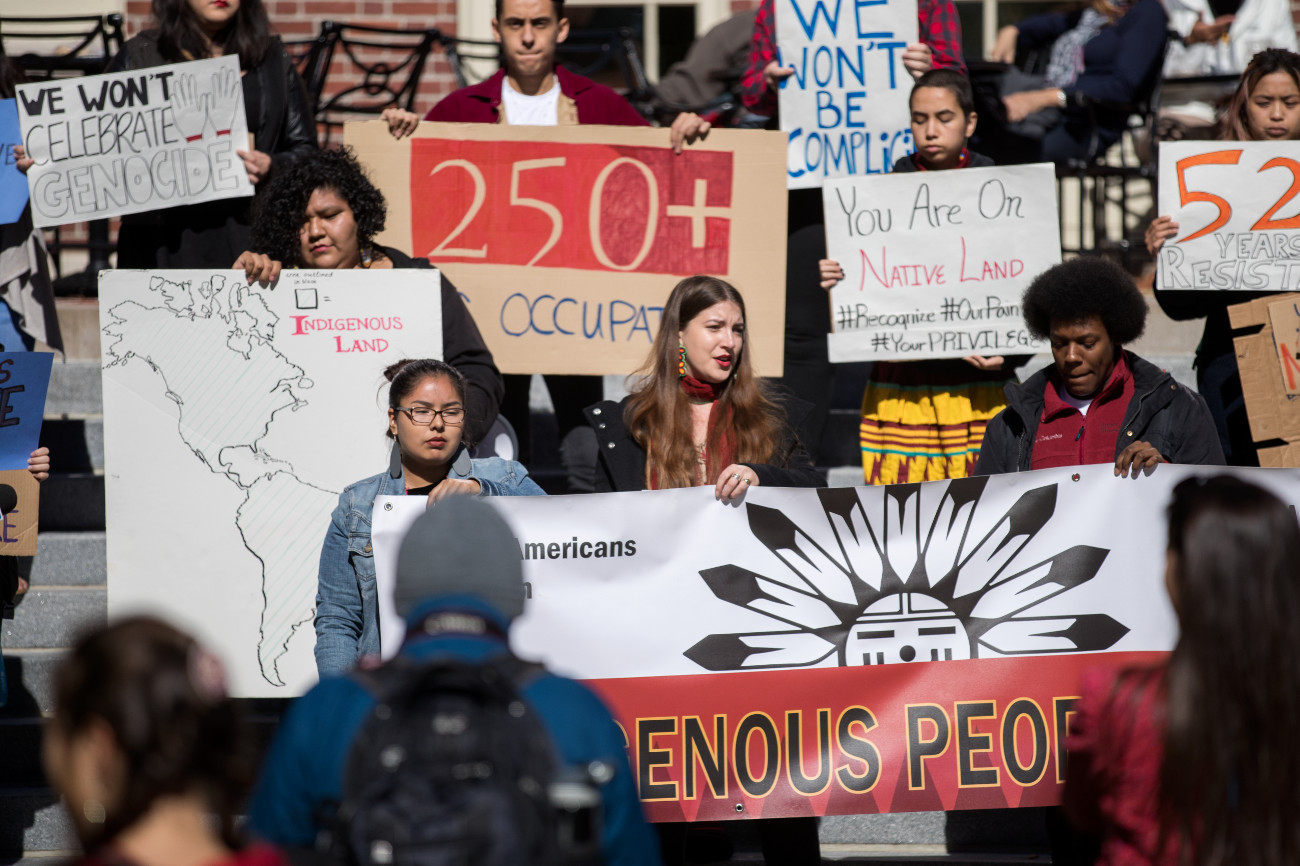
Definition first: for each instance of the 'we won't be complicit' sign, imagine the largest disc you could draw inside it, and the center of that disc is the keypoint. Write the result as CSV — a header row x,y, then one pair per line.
x,y
129,142
845,106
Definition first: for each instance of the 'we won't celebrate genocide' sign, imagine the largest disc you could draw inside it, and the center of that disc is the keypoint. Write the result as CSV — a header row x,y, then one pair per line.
x,y
845,107
128,142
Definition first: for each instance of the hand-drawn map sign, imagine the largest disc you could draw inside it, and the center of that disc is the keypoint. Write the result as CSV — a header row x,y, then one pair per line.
x,y
566,241
935,262
1237,214
127,142
845,107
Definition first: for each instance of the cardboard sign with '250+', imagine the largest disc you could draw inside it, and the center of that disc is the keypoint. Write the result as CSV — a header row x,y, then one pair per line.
x,y
566,241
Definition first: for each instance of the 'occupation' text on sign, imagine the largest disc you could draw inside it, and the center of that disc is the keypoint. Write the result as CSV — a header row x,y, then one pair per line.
x,y
845,107
128,142
935,263
1237,214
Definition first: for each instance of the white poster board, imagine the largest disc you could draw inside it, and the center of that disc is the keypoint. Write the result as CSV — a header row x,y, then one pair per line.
x,y
233,417
845,107
129,142
1238,220
935,262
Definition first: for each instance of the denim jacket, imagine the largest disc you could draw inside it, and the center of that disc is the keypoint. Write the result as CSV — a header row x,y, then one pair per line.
x,y
347,603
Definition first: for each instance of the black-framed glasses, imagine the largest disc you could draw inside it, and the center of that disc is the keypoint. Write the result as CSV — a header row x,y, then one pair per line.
x,y
452,416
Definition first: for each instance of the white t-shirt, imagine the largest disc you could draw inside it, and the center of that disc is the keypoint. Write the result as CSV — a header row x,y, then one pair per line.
x,y
523,110
1069,400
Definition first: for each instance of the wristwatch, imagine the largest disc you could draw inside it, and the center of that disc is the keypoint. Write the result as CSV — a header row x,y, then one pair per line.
x,y
1061,99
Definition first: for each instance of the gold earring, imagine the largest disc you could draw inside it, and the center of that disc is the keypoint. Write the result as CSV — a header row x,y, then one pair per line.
x,y
94,811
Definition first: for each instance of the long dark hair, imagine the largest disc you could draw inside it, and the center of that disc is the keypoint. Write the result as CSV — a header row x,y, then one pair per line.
x,y
1228,791
658,413
162,696
181,38
1237,125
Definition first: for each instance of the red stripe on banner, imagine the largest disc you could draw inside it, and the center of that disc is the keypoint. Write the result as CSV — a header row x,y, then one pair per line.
x,y
978,734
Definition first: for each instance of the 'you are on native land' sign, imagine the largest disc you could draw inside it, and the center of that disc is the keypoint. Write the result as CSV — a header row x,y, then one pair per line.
x,y
1238,220
845,106
935,262
128,142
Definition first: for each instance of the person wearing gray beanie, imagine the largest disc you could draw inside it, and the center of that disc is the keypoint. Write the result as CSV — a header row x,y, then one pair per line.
x,y
460,546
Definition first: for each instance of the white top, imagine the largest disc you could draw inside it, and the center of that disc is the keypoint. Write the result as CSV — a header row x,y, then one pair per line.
x,y
1070,400
523,110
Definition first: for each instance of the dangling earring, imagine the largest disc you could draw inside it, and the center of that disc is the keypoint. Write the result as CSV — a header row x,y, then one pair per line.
x,y
681,360
367,256
395,462
93,811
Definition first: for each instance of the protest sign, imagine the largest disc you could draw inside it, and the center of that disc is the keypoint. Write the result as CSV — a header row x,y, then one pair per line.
x,y
24,379
1238,223
845,107
935,262
914,647
257,406
18,526
1270,374
13,186
128,142
565,241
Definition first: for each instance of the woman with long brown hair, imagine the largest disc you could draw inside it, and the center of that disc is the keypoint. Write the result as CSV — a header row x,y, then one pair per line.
x,y
147,749
699,415
1194,761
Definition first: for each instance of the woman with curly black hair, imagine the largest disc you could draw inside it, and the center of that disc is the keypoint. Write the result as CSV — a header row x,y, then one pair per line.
x,y
323,212
1097,402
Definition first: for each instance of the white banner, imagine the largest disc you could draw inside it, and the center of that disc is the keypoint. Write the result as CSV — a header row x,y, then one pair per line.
x,y
1238,221
845,107
254,407
128,142
935,262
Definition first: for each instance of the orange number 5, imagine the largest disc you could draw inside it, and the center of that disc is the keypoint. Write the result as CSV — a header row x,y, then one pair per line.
x,y
1218,157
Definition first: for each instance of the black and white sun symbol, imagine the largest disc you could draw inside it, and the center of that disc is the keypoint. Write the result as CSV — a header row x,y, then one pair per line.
x,y
911,578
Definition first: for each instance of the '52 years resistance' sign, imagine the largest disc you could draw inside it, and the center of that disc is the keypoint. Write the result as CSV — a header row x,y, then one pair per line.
x,y
128,142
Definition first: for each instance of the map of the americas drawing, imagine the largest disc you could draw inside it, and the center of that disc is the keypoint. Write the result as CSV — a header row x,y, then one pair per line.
x,y
233,416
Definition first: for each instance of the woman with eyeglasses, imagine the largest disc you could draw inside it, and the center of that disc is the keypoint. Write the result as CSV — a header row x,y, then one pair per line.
x,y
430,458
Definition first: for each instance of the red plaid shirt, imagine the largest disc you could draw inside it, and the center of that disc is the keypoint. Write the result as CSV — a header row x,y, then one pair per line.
x,y
939,27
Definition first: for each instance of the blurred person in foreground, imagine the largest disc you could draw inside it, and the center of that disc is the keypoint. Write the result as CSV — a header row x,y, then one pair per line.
x,y
147,751
1193,760
459,586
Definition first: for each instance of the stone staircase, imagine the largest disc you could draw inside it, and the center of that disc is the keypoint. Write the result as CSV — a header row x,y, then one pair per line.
x,y
69,593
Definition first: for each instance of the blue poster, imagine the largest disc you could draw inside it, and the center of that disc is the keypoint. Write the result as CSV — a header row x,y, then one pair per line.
x,y
13,185
24,378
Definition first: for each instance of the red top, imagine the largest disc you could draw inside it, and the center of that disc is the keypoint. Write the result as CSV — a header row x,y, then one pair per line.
x,y
481,103
1116,745
1067,437
938,25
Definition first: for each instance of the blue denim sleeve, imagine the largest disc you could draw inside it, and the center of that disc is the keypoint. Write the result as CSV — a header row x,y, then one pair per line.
x,y
338,600
514,482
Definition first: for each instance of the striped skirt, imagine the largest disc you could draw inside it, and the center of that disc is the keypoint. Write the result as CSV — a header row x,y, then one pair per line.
x,y
925,420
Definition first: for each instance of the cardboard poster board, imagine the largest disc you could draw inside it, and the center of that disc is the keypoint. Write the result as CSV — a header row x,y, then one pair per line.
x,y
233,417
935,263
18,528
1270,374
1238,220
565,241
845,107
128,142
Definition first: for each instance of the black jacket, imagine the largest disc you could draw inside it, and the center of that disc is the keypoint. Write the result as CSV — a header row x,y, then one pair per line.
x,y
464,349
1170,416
620,464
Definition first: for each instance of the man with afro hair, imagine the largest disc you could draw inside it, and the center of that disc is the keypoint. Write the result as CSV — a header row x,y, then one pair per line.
x,y
1097,402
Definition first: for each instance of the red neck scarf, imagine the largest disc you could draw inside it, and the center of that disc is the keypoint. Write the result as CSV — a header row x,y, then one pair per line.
x,y
703,392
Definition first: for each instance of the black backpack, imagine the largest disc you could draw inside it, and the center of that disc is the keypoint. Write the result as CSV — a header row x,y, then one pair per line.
x,y
453,768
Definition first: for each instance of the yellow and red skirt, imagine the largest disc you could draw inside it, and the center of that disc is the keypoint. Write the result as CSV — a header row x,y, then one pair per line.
x,y
925,420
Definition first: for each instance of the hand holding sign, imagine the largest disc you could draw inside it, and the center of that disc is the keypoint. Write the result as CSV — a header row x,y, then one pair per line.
x,y
226,99
189,107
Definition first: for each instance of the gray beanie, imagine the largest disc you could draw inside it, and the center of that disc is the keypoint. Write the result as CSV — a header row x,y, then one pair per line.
x,y
460,546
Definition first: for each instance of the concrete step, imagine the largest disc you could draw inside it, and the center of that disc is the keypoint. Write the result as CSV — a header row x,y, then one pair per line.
x,y
75,389
72,502
70,559
54,617
30,674
20,759
32,820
